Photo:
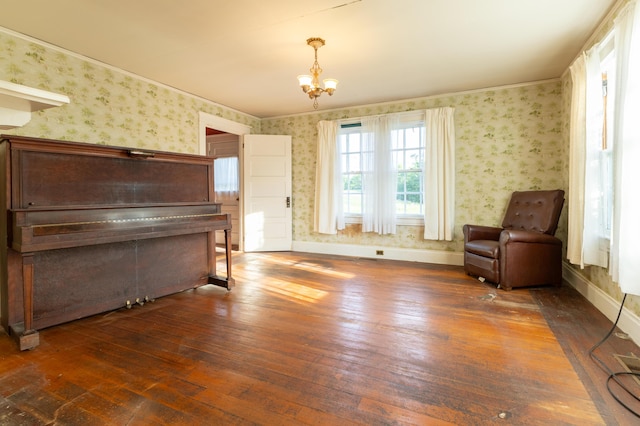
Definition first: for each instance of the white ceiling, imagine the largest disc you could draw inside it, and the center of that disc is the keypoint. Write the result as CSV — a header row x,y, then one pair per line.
x,y
246,54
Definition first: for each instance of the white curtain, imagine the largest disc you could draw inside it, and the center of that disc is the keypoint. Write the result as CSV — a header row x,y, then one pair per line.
x,y
225,178
379,183
594,250
625,267
328,217
439,174
577,138
587,230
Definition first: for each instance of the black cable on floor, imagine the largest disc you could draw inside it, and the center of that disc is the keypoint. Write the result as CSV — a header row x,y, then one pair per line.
x,y
614,376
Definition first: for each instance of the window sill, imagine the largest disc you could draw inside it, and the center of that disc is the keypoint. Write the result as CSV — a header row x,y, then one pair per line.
x,y
401,221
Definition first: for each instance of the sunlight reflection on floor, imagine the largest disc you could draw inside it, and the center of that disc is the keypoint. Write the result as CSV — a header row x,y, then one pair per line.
x,y
297,292
312,267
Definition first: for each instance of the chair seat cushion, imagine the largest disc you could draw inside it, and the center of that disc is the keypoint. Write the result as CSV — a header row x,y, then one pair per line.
x,y
486,248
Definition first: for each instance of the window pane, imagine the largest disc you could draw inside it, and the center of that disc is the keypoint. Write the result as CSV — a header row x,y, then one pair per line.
x,y
414,182
407,156
401,182
414,198
412,138
355,182
396,139
352,203
345,203
354,142
396,158
412,159
353,163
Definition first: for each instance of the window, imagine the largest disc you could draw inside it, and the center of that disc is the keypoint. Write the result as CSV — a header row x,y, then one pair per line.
x,y
387,170
592,125
408,156
225,179
607,68
599,153
407,153
603,192
351,166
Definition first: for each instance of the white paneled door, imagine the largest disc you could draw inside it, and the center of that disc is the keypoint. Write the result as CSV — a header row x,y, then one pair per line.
x,y
267,193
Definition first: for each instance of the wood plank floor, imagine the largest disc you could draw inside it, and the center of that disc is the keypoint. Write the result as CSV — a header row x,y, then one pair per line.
x,y
323,340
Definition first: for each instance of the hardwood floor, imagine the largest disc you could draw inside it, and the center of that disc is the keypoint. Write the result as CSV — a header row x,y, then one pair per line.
x,y
323,340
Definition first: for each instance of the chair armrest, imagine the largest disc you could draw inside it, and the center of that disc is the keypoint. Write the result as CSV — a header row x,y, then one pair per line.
x,y
479,232
520,236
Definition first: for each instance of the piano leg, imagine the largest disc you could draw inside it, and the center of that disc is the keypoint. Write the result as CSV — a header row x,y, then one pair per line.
x,y
227,248
27,337
228,282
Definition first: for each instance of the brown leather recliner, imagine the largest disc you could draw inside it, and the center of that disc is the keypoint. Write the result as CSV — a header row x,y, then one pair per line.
x,y
524,252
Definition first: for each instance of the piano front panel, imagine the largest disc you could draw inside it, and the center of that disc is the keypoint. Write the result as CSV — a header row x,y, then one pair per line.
x,y
106,276
172,264
102,279
50,179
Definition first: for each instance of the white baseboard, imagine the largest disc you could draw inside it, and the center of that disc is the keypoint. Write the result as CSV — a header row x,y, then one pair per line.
x,y
628,323
412,255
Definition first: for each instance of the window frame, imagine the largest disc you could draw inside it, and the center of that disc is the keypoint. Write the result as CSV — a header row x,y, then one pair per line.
x,y
346,129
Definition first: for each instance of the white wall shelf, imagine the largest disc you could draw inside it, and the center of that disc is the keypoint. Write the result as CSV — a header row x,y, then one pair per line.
x,y
17,102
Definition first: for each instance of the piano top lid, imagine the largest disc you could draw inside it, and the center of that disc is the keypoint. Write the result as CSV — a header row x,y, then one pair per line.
x,y
70,146
17,102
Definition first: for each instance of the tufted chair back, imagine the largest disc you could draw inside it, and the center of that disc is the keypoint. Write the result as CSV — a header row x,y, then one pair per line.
x,y
537,211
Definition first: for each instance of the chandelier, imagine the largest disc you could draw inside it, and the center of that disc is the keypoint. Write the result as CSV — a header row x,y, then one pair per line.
x,y
310,83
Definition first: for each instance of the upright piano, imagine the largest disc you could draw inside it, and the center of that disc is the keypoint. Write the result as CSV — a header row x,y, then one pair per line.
x,y
92,228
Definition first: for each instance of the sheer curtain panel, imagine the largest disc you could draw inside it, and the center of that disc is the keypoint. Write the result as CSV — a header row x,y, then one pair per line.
x,y
225,175
379,181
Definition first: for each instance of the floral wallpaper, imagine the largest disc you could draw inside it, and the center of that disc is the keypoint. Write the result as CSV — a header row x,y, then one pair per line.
x,y
507,139
107,106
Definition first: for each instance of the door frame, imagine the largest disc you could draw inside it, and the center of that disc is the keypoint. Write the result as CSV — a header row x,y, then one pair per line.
x,y
222,124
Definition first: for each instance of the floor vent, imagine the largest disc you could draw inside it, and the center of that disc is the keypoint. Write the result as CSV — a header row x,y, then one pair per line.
x,y
630,363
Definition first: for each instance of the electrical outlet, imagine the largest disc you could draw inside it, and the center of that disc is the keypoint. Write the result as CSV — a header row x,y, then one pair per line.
x,y
379,252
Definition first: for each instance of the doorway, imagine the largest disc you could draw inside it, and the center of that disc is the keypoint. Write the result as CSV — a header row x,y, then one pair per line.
x,y
274,230
230,130
225,148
